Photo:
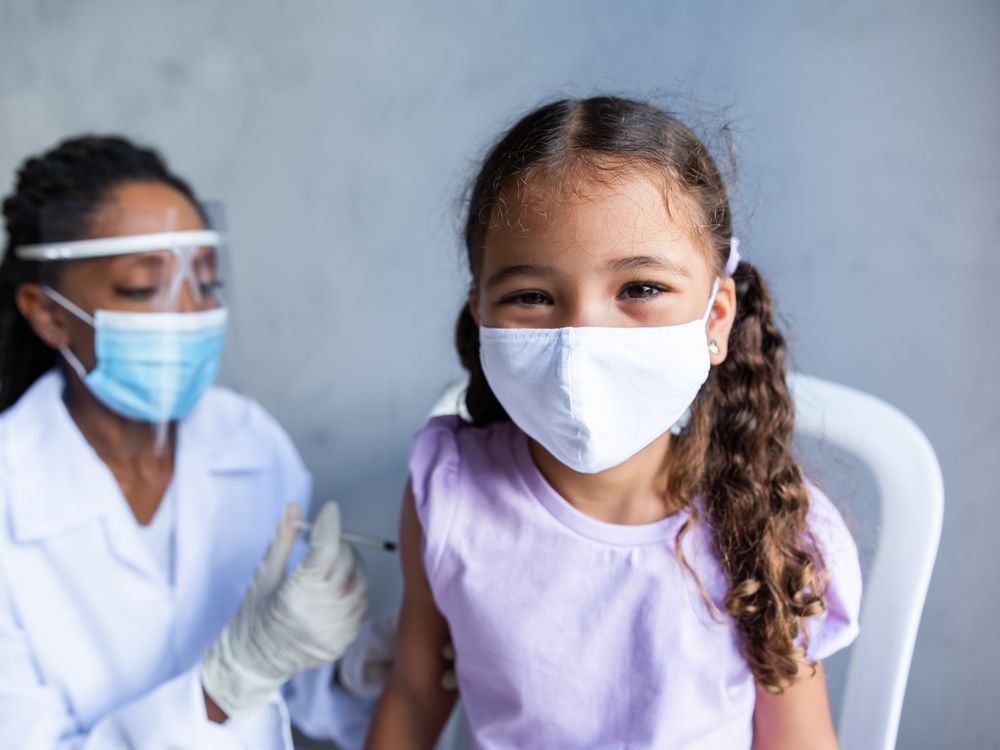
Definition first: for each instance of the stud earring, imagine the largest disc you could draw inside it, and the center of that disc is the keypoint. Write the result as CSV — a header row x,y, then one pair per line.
x,y
713,346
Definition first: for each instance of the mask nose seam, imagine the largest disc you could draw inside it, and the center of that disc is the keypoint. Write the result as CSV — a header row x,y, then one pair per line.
x,y
569,351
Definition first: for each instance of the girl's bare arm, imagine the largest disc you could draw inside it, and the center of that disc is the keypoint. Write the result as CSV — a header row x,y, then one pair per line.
x,y
798,719
414,707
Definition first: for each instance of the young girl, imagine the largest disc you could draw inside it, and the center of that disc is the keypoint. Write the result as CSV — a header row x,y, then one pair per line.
x,y
611,573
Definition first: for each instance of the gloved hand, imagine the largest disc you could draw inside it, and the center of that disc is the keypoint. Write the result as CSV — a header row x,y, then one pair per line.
x,y
364,668
287,624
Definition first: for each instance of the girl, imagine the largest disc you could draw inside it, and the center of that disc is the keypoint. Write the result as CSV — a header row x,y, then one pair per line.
x,y
611,574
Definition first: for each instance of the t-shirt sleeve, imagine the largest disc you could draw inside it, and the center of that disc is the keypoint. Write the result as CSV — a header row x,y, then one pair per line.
x,y
837,627
434,472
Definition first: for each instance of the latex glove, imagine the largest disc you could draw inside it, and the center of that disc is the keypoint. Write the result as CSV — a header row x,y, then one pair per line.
x,y
287,624
364,668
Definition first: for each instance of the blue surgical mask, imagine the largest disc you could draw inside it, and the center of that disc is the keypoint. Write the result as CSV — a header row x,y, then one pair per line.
x,y
151,367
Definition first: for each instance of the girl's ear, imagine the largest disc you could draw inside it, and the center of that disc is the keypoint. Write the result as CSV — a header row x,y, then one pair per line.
x,y
474,305
45,317
720,320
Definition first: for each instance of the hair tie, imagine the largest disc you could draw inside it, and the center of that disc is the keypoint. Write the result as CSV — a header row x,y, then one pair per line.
x,y
734,257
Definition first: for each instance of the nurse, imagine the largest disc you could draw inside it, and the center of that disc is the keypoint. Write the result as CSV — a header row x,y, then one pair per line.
x,y
137,501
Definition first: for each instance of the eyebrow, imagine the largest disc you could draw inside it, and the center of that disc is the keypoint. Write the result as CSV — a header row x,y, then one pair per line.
x,y
631,263
154,261
524,269
154,258
635,262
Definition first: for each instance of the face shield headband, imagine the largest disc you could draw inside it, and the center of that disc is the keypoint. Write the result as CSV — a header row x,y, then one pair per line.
x,y
182,244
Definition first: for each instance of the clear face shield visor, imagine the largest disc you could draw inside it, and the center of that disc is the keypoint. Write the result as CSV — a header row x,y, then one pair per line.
x,y
157,259
147,282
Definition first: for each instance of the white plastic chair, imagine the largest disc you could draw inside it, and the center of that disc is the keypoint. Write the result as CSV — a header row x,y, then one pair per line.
x,y
911,492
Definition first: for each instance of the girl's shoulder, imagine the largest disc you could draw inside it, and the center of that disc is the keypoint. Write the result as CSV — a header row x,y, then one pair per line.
x,y
838,625
458,472
831,533
827,523
447,445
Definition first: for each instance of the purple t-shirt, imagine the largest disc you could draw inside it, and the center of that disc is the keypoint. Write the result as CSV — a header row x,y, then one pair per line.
x,y
575,633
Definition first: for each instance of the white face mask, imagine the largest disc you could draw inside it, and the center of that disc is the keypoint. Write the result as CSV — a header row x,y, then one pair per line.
x,y
594,397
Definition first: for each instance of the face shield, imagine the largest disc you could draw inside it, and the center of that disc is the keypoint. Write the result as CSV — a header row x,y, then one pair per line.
x,y
160,259
146,285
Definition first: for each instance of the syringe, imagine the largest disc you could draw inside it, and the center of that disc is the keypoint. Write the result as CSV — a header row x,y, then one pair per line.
x,y
364,539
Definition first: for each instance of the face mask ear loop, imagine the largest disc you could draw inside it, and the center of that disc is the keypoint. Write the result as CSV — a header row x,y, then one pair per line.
x,y
71,359
711,299
731,263
68,306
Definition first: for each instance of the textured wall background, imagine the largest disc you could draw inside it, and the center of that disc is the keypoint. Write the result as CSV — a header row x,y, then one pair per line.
x,y
341,134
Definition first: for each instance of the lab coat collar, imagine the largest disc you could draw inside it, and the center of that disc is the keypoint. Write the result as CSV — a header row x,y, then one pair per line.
x,y
58,482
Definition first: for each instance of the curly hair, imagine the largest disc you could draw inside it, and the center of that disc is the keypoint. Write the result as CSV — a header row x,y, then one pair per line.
x,y
77,175
731,466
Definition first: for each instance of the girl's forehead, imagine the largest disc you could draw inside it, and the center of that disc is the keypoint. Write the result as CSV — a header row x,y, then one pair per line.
x,y
593,217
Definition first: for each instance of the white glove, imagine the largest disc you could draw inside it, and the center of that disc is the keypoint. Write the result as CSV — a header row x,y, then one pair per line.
x,y
364,668
287,624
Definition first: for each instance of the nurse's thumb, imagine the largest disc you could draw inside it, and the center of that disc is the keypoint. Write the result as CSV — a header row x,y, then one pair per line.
x,y
324,542
272,567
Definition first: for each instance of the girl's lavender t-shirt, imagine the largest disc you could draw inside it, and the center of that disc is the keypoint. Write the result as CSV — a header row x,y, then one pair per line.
x,y
575,633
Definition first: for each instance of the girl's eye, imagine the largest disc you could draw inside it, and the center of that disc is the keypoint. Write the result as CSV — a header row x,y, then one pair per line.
x,y
528,299
641,290
137,293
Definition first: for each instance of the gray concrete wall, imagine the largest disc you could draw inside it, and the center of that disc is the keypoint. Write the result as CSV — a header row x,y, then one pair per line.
x,y
341,134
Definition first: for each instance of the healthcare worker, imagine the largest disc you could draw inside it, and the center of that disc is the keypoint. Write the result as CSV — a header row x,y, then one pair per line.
x,y
138,502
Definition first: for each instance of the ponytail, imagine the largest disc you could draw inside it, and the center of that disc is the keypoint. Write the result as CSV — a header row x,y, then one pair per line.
x,y
23,356
482,404
735,453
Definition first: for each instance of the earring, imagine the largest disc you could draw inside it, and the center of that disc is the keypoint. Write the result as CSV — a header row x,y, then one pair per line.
x,y
713,346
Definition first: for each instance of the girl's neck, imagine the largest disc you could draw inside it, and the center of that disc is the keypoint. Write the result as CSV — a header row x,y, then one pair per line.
x,y
633,492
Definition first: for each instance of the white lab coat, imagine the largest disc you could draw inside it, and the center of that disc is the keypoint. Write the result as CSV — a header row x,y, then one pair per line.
x,y
97,649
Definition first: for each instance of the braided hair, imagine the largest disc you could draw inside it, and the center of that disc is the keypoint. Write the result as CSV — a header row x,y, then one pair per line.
x,y
734,454
78,174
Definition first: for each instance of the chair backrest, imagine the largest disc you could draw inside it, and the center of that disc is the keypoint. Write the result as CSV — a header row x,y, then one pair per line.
x,y
911,492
